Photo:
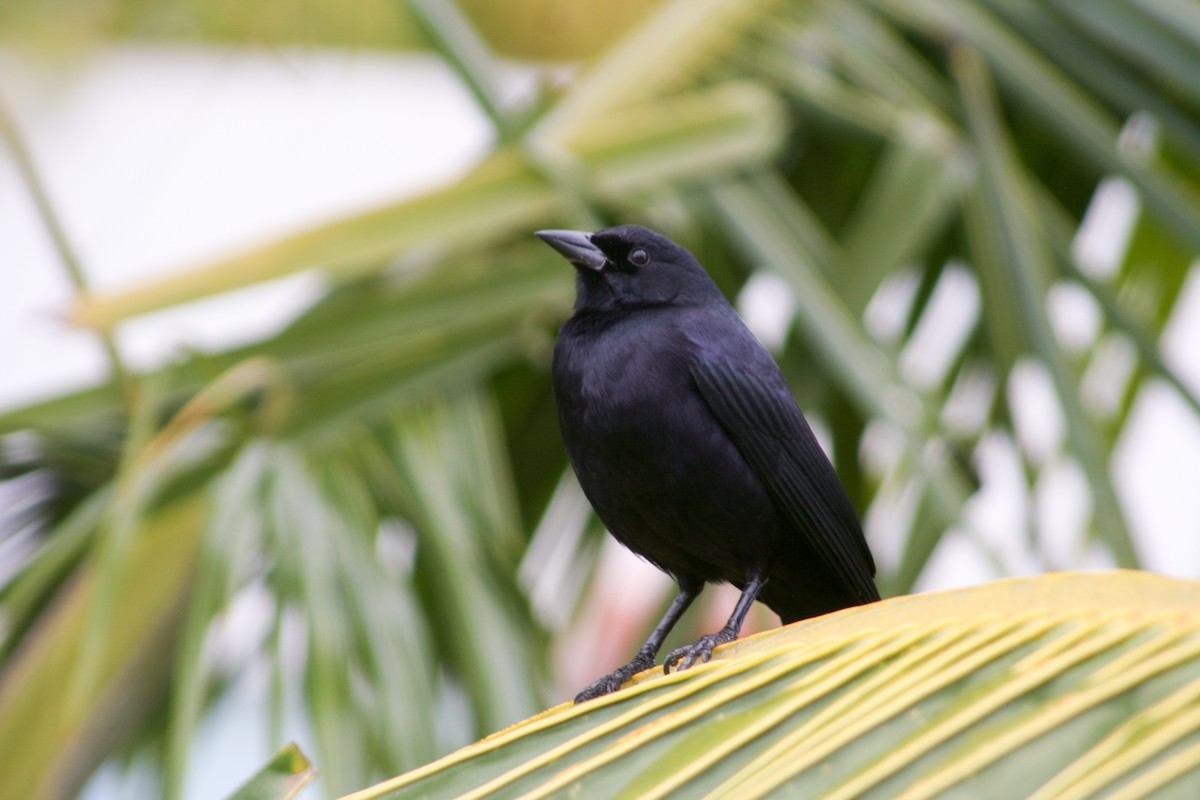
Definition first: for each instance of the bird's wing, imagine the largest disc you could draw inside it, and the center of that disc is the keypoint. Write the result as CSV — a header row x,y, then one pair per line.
x,y
774,438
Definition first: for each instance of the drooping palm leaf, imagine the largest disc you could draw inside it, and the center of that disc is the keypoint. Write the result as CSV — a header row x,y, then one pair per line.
x,y
1064,683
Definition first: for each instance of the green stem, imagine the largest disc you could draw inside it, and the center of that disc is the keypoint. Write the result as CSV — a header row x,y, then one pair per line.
x,y
1002,203
1143,339
66,253
461,46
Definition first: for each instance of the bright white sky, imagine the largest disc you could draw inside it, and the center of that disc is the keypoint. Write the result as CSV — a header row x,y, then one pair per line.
x,y
157,159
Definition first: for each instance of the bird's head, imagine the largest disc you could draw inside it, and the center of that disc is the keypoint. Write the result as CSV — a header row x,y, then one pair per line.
x,y
630,266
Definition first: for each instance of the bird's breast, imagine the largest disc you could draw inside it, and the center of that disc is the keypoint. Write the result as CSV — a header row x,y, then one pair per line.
x,y
620,382
657,466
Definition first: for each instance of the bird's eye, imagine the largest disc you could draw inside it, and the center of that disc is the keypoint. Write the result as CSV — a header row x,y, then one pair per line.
x,y
639,258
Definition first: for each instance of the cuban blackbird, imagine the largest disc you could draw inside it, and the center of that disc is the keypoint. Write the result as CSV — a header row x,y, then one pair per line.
x,y
689,445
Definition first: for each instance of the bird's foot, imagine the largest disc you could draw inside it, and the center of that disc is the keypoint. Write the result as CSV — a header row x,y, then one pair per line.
x,y
698,652
613,680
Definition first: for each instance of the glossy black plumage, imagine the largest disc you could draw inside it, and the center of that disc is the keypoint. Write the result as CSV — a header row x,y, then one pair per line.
x,y
689,445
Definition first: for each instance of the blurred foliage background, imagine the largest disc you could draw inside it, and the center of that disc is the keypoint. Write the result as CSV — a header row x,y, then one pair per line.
x,y
385,477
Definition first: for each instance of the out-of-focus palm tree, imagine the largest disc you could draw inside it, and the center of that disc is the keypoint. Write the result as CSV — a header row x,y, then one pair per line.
x,y
385,477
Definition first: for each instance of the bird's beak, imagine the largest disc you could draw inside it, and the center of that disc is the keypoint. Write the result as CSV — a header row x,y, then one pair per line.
x,y
576,247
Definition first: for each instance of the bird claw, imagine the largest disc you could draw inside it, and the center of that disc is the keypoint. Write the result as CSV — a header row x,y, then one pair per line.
x,y
615,679
698,652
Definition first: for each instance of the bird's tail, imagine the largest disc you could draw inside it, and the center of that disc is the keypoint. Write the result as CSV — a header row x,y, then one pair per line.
x,y
812,594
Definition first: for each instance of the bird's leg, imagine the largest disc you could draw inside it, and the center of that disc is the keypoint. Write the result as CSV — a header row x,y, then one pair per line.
x,y
689,590
700,650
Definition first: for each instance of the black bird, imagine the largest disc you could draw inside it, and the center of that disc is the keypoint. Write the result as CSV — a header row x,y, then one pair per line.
x,y
689,445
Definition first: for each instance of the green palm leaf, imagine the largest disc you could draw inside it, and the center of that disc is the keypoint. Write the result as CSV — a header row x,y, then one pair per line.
x,y
1060,686
282,779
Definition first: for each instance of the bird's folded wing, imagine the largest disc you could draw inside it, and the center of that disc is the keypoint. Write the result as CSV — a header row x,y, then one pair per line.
x,y
772,435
